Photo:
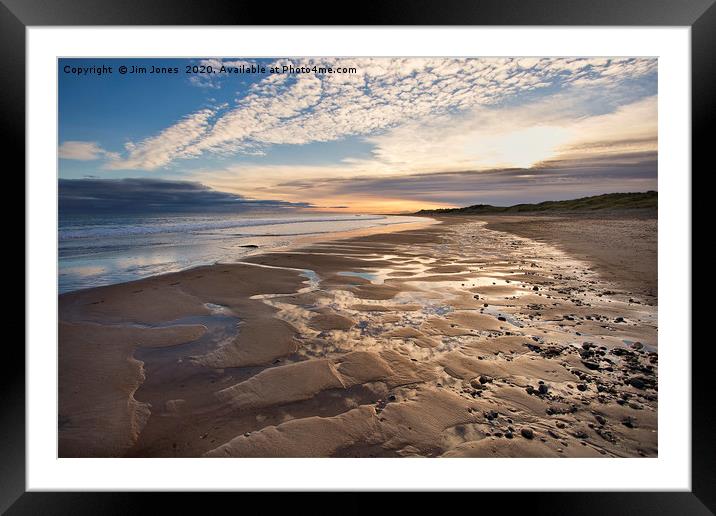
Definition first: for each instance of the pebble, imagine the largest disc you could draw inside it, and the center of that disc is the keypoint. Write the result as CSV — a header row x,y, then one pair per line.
x,y
629,422
527,433
637,383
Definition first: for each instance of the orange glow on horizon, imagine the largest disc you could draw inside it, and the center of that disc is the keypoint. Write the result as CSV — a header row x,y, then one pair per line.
x,y
391,206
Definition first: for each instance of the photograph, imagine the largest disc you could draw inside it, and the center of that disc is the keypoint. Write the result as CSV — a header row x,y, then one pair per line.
x,y
357,257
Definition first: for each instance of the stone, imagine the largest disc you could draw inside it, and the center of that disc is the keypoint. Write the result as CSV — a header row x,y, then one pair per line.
x,y
629,422
637,383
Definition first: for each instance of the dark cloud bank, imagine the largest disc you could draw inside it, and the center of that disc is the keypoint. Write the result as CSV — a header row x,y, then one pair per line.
x,y
155,195
549,181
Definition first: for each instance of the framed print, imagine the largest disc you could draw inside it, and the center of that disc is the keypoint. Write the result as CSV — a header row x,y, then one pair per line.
x,y
438,249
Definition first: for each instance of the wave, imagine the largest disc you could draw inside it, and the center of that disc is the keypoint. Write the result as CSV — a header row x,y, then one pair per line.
x,y
117,230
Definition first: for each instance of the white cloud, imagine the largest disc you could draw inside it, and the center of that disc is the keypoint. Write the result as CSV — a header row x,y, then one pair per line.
x,y
204,81
83,151
212,80
515,137
174,142
483,138
383,95
629,128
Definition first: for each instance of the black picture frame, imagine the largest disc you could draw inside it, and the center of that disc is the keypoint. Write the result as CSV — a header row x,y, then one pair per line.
x,y
699,15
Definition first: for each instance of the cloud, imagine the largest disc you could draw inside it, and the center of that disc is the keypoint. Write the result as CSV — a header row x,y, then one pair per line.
x,y
385,93
520,136
213,80
139,195
83,151
556,180
632,127
551,180
554,131
204,81
174,142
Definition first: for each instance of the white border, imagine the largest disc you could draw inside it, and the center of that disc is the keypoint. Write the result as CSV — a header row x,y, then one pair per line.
x,y
670,471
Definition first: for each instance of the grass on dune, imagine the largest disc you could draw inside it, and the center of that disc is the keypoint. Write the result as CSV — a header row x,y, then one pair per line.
x,y
613,201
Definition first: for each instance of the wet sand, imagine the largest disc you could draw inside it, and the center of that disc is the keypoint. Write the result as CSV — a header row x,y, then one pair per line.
x,y
476,337
621,244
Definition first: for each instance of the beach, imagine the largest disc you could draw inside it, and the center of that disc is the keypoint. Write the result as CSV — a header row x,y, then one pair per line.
x,y
114,248
458,336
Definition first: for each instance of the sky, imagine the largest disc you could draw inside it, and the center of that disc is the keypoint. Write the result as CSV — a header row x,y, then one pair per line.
x,y
388,135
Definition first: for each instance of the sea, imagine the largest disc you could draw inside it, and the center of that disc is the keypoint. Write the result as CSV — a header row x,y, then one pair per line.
x,y
103,250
